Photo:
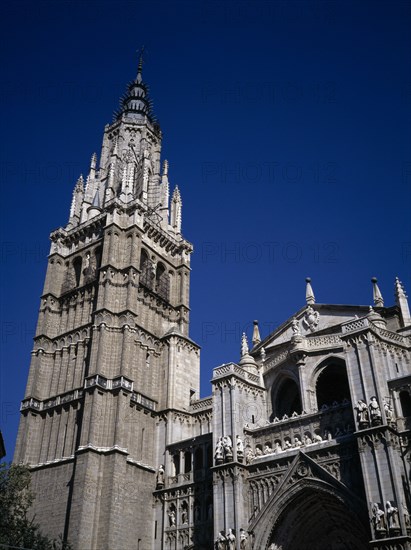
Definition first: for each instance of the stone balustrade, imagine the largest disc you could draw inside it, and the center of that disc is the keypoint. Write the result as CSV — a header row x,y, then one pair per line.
x,y
330,423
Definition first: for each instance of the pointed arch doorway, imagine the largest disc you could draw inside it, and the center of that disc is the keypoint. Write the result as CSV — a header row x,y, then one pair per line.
x,y
312,515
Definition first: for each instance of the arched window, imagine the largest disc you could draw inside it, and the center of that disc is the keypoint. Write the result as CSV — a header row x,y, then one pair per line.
x,y
77,269
97,254
162,281
198,459
209,456
176,464
405,400
187,462
146,272
332,385
287,399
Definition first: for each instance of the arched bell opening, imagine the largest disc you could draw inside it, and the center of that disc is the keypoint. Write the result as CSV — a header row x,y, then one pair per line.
x,y
332,384
286,399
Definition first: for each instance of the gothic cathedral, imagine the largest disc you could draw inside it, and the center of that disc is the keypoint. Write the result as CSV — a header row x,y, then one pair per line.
x,y
304,443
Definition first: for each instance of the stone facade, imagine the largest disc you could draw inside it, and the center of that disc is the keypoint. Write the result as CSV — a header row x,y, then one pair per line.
x,y
304,443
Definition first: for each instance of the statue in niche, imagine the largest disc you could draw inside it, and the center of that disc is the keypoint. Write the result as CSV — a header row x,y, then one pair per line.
x,y
184,513
228,448
267,450
392,516
219,451
220,543
231,540
297,441
89,270
307,440
240,448
249,456
406,515
278,448
362,414
258,451
160,477
375,412
243,539
172,517
377,517
389,413
317,438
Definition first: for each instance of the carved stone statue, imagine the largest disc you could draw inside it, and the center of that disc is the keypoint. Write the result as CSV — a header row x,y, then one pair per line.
x,y
221,541
406,515
267,450
362,414
377,517
231,540
297,441
277,447
160,477
307,440
249,455
392,516
219,452
389,413
295,327
375,412
243,539
240,448
172,517
184,513
228,448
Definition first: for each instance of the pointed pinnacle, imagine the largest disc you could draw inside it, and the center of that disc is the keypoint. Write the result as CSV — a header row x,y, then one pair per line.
x,y
244,345
256,334
376,294
140,65
309,293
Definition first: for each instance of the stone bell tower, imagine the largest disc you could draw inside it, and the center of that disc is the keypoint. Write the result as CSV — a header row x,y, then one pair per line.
x,y
111,351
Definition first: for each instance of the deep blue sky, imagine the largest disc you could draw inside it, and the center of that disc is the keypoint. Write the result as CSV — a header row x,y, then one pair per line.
x,y
286,126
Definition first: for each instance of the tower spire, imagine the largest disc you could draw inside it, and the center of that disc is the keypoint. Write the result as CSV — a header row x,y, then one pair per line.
x,y
136,103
